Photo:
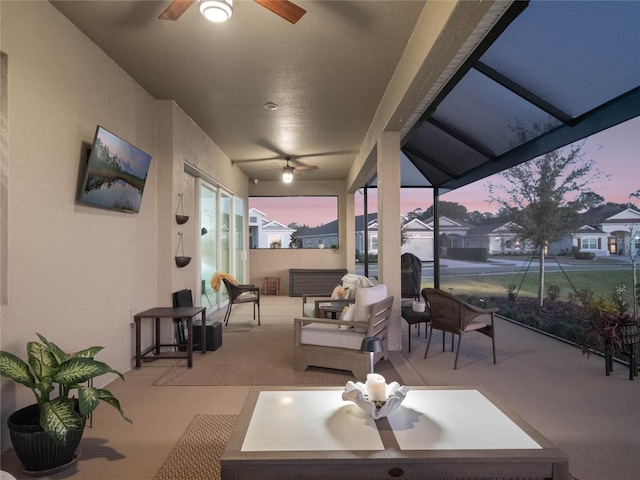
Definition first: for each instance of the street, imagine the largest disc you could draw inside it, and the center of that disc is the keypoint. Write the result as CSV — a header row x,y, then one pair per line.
x,y
508,265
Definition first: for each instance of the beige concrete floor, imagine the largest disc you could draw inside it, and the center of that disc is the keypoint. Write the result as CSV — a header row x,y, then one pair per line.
x,y
595,419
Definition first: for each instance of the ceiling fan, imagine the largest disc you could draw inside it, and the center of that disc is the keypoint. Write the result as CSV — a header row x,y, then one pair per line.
x,y
288,170
285,9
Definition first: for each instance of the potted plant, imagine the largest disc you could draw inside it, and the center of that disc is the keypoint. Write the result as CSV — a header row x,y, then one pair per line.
x,y
613,331
45,435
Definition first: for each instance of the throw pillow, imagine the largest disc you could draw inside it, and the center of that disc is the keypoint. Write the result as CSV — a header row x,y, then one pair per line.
x,y
347,315
338,293
365,297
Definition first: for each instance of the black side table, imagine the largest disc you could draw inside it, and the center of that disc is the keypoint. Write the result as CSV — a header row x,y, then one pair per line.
x,y
413,318
187,313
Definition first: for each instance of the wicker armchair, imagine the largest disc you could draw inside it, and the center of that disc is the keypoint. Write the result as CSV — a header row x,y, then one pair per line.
x,y
241,294
450,314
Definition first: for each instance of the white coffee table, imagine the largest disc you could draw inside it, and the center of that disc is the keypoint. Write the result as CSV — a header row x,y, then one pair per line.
x,y
299,433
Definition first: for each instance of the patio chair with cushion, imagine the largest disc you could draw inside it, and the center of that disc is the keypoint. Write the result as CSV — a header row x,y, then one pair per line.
x,y
336,344
317,305
450,314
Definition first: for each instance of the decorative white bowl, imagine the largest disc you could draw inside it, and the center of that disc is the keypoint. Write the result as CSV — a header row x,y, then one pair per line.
x,y
357,393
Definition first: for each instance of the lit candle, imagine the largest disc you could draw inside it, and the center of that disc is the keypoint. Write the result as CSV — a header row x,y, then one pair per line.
x,y
376,387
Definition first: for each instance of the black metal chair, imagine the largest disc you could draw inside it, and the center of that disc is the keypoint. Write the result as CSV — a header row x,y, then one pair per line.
x,y
242,294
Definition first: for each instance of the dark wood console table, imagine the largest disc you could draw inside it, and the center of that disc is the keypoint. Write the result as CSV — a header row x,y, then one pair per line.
x,y
312,281
186,313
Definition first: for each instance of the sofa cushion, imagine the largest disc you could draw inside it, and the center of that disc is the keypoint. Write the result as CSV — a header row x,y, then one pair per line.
x,y
365,297
329,336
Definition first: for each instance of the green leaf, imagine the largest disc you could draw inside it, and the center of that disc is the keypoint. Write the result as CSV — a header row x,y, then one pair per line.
x,y
88,400
58,417
79,370
88,352
107,396
16,369
57,353
42,361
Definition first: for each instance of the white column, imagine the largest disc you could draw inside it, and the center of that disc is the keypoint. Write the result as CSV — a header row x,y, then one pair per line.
x,y
388,162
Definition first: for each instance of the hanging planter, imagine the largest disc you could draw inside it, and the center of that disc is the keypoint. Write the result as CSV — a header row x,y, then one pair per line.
x,y
181,218
181,260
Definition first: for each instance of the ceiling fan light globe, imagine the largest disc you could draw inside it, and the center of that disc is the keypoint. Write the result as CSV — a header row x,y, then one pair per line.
x,y
216,10
287,174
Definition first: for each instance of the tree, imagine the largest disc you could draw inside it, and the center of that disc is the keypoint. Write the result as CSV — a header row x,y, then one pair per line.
x,y
477,218
404,235
452,210
545,195
299,229
415,213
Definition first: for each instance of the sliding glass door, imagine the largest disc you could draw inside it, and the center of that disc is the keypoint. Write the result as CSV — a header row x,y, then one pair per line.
x,y
208,242
221,241
240,253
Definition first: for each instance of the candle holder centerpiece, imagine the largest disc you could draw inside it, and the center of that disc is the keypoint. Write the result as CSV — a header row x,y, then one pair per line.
x,y
375,398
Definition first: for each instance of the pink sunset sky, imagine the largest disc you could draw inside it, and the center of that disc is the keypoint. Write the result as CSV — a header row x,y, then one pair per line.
x,y
616,152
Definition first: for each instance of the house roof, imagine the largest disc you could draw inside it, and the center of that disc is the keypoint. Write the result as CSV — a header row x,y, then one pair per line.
x,y
446,222
496,228
624,218
417,224
628,215
588,229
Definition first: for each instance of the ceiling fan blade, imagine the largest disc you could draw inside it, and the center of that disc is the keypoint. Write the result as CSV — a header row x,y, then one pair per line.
x,y
287,10
175,9
306,167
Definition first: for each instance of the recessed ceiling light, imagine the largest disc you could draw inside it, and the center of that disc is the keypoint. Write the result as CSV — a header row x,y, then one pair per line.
x,y
270,106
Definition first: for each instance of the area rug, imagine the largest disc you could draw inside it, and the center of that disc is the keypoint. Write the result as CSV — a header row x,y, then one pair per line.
x,y
198,452
259,356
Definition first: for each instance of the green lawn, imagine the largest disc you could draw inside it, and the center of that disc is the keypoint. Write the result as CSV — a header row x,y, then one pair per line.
x,y
602,283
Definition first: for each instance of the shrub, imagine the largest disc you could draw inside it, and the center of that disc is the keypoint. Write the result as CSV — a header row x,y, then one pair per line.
x,y
583,296
553,292
472,254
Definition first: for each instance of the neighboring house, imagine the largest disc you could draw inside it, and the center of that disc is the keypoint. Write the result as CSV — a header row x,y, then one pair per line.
x,y
497,239
419,239
321,236
452,232
372,229
267,234
419,235
618,234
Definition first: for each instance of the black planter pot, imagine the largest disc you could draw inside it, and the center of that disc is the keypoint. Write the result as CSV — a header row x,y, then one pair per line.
x,y
35,448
